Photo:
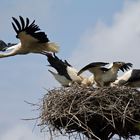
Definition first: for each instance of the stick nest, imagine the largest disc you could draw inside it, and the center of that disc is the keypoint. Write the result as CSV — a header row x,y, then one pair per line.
x,y
98,113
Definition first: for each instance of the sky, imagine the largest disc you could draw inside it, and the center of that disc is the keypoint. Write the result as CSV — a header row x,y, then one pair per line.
x,y
86,31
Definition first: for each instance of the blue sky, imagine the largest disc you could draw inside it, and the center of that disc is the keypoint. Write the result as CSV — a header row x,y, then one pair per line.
x,y
86,31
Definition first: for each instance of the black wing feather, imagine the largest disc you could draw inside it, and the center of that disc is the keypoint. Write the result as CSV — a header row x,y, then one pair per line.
x,y
126,66
27,22
16,30
135,76
67,63
92,65
30,28
22,22
17,23
59,65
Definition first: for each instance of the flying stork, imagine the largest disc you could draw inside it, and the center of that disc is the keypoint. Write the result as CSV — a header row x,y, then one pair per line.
x,y
66,74
131,78
32,40
104,76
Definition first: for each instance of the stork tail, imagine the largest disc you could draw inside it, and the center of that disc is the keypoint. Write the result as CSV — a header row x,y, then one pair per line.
x,y
53,47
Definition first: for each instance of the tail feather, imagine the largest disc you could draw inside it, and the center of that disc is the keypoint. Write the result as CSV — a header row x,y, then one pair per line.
x,y
53,73
53,47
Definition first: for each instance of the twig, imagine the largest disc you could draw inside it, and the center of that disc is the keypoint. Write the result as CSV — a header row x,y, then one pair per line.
x,y
124,114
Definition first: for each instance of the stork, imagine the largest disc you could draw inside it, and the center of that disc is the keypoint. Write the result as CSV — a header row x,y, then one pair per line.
x,y
131,78
66,74
104,76
32,40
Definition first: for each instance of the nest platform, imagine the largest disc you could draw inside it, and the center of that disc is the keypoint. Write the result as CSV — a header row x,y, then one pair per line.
x,y
98,113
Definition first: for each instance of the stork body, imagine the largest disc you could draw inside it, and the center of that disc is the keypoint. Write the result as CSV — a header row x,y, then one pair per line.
x,y
32,40
66,74
96,69
104,76
131,78
111,73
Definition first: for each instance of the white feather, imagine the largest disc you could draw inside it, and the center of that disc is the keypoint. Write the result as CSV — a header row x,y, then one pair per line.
x,y
61,79
124,78
72,72
13,47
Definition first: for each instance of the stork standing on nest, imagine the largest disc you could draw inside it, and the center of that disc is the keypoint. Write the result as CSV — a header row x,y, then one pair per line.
x,y
131,78
32,40
66,74
104,76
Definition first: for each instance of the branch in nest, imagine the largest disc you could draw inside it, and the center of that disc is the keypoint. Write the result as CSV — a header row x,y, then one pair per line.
x,y
98,113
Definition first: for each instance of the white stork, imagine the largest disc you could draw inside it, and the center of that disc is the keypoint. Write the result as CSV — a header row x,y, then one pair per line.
x,y
66,74
32,40
131,78
104,76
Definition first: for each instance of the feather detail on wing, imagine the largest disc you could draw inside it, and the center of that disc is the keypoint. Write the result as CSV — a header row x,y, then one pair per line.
x,y
28,32
126,66
92,65
59,65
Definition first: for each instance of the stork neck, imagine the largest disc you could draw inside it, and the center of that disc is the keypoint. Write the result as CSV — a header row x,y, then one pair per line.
x,y
114,69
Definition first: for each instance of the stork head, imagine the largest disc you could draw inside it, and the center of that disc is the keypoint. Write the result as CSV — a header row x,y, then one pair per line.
x,y
118,64
122,65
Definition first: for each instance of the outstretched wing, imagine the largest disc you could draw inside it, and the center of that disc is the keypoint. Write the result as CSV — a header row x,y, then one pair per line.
x,y
59,65
126,66
64,62
92,66
28,32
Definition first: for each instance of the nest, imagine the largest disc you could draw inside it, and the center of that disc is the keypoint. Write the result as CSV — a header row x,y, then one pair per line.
x,y
98,113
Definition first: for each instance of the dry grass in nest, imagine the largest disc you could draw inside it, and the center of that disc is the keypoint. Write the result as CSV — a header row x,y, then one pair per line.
x,y
98,113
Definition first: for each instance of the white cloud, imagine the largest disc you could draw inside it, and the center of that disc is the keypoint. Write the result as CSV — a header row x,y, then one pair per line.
x,y
117,42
